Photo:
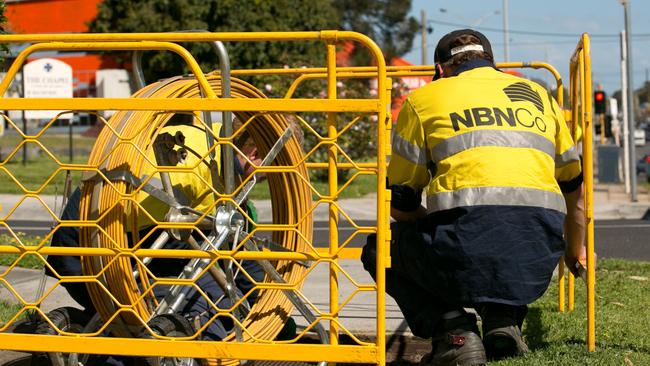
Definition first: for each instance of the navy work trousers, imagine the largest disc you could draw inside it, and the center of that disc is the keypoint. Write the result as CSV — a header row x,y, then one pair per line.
x,y
417,283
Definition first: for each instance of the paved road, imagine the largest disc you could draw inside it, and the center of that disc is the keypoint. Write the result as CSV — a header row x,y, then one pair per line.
x,y
627,239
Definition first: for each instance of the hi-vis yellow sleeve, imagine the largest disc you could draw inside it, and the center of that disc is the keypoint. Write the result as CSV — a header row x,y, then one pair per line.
x,y
408,163
567,157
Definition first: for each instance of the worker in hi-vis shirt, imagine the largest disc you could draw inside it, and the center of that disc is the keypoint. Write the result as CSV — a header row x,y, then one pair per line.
x,y
503,186
190,188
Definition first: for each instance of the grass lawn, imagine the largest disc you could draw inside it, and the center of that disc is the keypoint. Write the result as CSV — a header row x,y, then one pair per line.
x,y
29,261
39,168
7,311
622,321
35,173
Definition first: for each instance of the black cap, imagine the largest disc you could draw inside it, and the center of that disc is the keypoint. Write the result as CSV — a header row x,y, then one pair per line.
x,y
446,48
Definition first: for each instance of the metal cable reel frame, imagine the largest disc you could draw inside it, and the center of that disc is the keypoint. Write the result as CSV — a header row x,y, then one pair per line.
x,y
96,191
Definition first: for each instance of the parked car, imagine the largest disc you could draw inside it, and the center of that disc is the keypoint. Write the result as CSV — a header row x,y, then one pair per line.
x,y
643,166
639,137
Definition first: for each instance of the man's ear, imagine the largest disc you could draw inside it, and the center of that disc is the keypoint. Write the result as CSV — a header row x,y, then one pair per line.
x,y
439,72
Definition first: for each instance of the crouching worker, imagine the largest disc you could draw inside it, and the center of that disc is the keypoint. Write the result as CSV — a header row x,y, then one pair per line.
x,y
190,190
502,179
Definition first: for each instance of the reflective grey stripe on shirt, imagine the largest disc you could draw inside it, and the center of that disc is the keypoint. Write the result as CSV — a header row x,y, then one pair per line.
x,y
408,151
500,196
567,157
471,139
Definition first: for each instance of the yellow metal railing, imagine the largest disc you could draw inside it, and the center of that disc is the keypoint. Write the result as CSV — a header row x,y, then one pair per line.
x,y
581,92
119,141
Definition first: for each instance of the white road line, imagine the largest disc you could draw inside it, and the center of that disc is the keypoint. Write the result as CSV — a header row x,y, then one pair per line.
x,y
624,226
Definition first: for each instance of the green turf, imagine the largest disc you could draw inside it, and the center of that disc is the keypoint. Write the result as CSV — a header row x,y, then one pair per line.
x,y
34,174
27,261
40,167
622,321
7,311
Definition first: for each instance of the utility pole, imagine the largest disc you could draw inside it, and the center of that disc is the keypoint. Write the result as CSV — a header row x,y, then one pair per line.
x,y
506,36
626,125
630,98
423,27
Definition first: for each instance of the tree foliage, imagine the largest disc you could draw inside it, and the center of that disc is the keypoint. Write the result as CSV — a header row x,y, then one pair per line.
x,y
385,21
222,16
3,23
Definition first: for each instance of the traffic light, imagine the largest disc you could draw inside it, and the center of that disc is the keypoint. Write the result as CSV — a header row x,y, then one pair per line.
x,y
599,102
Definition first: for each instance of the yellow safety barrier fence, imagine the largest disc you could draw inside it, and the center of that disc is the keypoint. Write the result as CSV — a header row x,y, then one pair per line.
x,y
115,261
135,158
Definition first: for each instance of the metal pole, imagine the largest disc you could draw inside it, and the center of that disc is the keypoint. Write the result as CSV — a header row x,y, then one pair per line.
x,y
423,14
332,190
626,130
227,150
630,98
506,36
70,151
601,121
25,132
22,79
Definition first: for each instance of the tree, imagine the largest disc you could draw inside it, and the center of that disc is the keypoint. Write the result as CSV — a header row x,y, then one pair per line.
x,y
3,22
221,16
385,21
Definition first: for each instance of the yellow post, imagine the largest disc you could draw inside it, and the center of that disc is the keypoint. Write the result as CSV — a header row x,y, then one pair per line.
x,y
384,126
572,281
560,283
333,189
589,190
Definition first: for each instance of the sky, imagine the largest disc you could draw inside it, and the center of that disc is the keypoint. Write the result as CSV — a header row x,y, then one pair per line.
x,y
561,21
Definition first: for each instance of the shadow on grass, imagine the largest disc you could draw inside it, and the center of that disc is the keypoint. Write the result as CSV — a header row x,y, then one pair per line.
x,y
612,346
535,331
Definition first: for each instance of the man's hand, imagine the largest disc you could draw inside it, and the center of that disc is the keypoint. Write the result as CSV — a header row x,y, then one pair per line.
x,y
407,216
574,231
576,262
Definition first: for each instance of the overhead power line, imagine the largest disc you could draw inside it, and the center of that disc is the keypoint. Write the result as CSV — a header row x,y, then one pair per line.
x,y
532,33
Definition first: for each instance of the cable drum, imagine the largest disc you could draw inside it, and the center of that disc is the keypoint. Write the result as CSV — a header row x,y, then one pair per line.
x,y
121,146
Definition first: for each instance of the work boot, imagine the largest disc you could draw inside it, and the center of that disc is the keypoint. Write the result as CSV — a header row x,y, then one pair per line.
x,y
504,342
457,345
502,331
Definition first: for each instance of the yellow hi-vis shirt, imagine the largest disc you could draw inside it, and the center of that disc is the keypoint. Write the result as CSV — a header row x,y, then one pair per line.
x,y
191,188
483,137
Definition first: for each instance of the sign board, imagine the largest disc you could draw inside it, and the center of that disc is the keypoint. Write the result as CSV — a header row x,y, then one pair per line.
x,y
47,78
112,83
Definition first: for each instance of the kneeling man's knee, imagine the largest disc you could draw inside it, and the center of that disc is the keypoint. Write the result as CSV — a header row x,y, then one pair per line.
x,y
369,254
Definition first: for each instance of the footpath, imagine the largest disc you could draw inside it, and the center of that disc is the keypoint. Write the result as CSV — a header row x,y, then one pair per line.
x,y
359,314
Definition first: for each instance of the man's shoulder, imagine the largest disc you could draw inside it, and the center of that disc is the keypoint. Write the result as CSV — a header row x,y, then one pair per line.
x,y
518,79
425,93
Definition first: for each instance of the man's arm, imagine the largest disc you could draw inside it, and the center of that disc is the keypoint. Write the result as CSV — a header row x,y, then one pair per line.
x,y
408,215
574,230
407,171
